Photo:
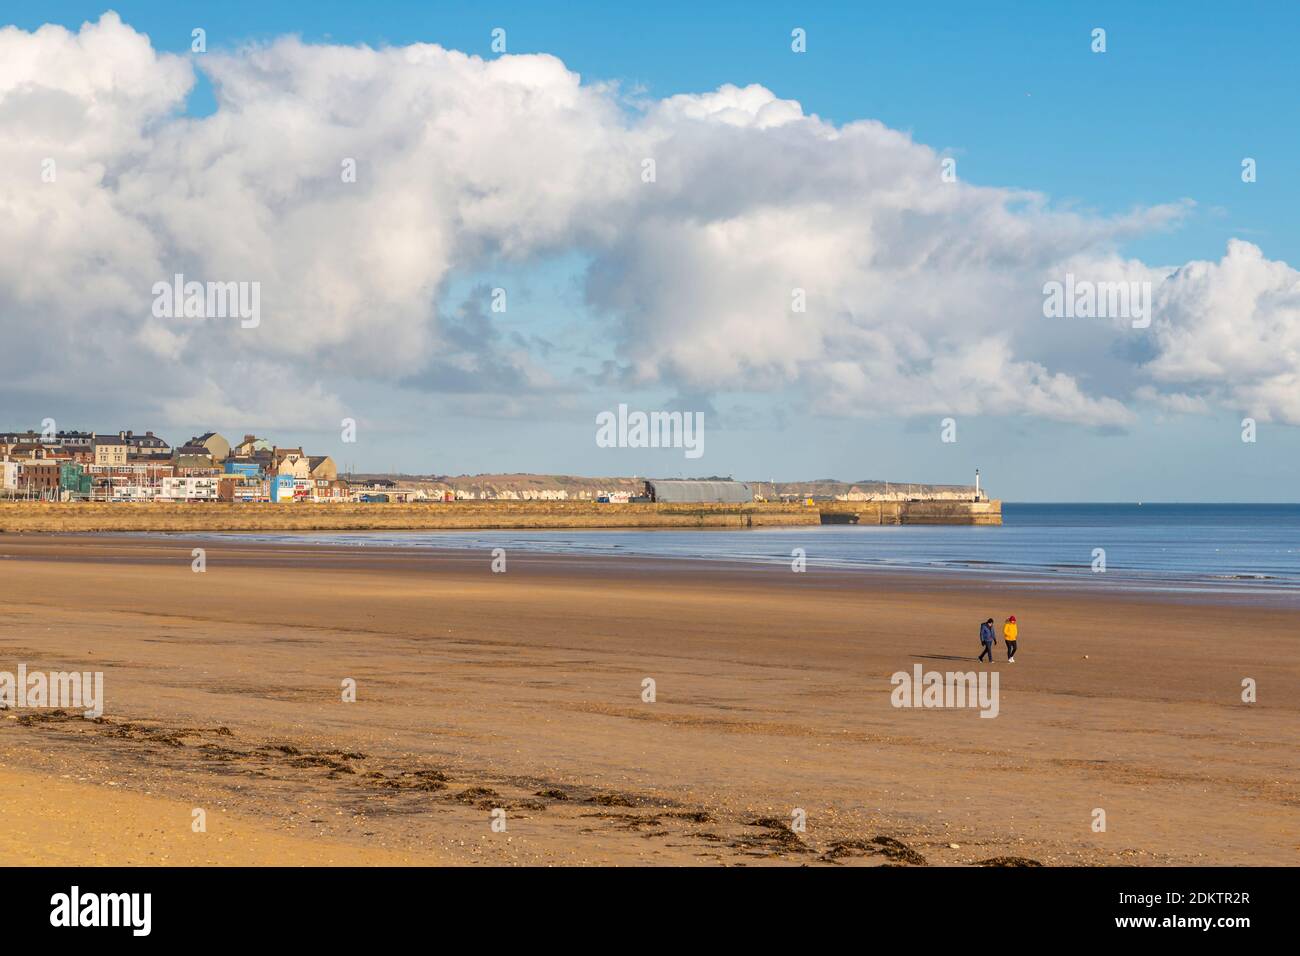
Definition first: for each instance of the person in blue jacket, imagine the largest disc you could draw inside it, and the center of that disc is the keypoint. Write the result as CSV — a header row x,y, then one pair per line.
x,y
987,639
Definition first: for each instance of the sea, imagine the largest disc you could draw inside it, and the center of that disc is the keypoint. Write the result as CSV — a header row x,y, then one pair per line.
x,y
1243,548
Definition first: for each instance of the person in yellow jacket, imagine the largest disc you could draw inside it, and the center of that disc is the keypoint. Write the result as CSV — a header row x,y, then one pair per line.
x,y
1010,634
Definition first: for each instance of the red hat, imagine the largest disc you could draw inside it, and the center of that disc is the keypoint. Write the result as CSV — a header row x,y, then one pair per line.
x,y
1013,618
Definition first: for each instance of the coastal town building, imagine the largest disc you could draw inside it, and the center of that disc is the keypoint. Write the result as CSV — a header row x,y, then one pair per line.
x,y
21,438
40,479
192,465
211,443
30,452
147,445
732,492
243,467
111,450
322,468
250,446
132,467
75,440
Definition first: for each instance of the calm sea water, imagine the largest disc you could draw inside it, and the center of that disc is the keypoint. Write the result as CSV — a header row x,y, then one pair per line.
x,y
1245,548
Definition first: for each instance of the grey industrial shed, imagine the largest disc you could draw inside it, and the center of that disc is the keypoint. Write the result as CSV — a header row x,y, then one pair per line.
x,y
699,492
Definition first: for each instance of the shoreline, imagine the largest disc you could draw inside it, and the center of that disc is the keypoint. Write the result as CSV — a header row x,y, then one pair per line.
x,y
1244,590
523,691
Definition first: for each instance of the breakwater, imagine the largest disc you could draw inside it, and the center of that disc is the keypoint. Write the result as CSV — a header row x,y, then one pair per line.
x,y
476,515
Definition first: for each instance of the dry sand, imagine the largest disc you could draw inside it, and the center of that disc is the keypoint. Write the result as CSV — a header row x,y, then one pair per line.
x,y
58,821
523,692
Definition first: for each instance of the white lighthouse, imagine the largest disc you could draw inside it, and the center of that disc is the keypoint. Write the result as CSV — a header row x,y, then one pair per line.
x,y
977,484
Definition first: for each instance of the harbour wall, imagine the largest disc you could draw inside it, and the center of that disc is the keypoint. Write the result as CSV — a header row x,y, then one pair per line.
x,y
18,517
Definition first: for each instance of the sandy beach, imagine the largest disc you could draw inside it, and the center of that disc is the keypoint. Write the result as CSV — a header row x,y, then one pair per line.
x,y
522,692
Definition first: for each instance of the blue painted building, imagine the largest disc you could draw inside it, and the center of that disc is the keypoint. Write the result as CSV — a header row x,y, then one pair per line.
x,y
282,487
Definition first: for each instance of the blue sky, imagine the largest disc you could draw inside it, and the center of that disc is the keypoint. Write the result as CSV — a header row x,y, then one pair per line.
x,y
1183,92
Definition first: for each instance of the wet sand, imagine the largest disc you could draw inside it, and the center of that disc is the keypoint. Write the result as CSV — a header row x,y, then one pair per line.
x,y
521,692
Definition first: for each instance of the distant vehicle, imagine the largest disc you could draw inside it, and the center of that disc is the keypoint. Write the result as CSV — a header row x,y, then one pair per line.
x,y
374,499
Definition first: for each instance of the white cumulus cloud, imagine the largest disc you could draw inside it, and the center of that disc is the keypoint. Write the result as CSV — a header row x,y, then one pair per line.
x,y
920,296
